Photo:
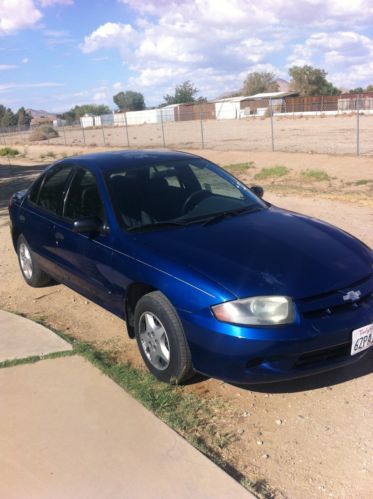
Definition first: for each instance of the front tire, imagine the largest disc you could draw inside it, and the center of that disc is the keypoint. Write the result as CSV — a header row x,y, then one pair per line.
x,y
30,269
161,339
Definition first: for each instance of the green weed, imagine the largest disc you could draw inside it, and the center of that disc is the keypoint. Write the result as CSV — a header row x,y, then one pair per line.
x,y
363,181
239,167
274,171
8,151
318,175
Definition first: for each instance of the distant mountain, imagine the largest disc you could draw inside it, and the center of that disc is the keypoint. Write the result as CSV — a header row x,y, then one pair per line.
x,y
39,113
283,85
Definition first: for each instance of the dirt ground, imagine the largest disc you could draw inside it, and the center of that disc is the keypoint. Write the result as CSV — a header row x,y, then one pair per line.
x,y
308,438
318,134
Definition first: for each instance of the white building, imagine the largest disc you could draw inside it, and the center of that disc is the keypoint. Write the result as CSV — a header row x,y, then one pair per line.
x,y
59,122
87,121
104,120
238,107
144,117
229,108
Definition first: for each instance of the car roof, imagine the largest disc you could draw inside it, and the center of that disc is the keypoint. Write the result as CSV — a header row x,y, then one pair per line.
x,y
116,159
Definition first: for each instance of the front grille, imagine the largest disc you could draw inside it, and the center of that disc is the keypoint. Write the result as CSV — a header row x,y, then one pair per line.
x,y
333,303
340,308
336,353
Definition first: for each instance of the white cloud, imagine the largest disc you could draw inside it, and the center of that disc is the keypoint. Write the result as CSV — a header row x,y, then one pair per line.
x,y
215,43
5,87
346,55
257,14
109,35
16,15
100,59
100,95
54,33
4,67
118,86
50,3
25,60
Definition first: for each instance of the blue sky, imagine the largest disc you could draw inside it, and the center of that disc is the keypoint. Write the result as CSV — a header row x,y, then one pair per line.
x,y
55,54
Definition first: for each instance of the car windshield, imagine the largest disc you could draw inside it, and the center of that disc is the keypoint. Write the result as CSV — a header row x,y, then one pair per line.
x,y
176,193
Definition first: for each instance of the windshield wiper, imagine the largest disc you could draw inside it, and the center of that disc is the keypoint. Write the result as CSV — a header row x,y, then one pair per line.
x,y
156,225
232,213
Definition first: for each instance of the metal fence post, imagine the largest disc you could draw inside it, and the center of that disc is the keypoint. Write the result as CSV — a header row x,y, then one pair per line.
x,y
201,122
64,134
271,114
126,124
357,125
164,141
103,133
82,127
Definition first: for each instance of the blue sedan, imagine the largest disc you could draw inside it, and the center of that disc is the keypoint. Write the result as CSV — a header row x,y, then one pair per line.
x,y
208,276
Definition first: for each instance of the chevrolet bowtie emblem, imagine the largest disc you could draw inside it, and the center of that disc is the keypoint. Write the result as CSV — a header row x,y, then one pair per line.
x,y
352,296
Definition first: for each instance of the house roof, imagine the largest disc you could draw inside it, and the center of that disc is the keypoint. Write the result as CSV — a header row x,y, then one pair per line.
x,y
264,95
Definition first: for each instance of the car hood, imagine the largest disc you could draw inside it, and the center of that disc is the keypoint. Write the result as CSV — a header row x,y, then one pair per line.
x,y
272,251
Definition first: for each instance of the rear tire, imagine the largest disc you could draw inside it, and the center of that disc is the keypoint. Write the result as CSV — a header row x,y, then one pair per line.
x,y
30,270
161,339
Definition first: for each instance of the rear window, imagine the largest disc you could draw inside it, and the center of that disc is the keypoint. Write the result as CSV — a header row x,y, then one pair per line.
x,y
50,195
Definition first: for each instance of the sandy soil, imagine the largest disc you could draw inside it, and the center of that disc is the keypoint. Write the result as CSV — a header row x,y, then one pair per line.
x,y
308,438
321,134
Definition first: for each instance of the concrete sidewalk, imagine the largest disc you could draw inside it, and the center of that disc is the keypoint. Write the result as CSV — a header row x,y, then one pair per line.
x,y
21,338
66,430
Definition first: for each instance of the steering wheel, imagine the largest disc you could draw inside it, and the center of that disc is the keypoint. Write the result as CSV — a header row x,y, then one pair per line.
x,y
193,199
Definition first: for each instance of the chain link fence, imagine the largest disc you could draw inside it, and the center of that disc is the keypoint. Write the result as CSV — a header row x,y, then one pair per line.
x,y
330,125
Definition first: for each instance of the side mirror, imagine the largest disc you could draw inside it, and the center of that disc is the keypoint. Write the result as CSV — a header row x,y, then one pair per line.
x,y
87,225
257,190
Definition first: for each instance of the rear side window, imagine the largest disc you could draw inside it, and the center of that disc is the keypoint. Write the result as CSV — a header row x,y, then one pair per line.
x,y
53,188
83,199
34,191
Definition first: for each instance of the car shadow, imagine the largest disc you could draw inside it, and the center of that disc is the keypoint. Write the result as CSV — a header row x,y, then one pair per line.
x,y
323,380
14,178
327,379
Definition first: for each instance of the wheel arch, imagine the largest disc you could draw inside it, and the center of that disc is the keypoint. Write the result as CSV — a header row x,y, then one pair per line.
x,y
15,235
135,291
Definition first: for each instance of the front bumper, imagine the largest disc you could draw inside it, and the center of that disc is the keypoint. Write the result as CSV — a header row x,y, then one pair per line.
x,y
260,355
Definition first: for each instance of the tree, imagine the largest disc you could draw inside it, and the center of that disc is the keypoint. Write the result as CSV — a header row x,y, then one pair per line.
x,y
257,83
357,90
23,117
8,118
185,92
78,111
129,101
360,90
310,81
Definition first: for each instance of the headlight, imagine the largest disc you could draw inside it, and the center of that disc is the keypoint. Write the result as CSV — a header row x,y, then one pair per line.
x,y
259,310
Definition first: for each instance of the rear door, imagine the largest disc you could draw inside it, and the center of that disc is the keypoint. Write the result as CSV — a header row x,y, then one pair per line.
x,y
41,211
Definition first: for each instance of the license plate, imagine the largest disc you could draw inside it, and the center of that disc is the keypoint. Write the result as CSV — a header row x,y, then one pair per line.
x,y
362,339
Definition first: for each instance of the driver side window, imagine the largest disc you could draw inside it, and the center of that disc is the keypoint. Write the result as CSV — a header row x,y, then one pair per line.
x,y
83,199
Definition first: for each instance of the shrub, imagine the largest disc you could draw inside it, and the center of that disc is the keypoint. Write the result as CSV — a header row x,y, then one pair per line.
x,y
318,175
239,167
8,151
44,132
275,171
